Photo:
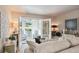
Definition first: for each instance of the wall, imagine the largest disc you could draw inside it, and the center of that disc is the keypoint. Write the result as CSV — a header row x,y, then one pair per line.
x,y
14,17
60,19
4,23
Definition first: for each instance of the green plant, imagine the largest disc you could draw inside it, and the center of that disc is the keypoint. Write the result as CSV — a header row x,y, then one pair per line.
x,y
12,37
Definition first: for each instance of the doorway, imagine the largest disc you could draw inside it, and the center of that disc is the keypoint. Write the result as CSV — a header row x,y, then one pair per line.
x,y
29,28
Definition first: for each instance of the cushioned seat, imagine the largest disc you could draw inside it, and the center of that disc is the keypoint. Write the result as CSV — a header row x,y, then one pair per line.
x,y
48,47
74,49
66,44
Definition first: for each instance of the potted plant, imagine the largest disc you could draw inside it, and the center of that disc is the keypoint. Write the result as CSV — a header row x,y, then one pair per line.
x,y
12,38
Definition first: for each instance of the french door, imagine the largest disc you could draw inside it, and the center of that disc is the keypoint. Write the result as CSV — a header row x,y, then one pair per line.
x,y
29,28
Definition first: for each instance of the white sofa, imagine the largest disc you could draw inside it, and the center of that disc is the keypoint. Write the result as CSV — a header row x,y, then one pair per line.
x,y
67,44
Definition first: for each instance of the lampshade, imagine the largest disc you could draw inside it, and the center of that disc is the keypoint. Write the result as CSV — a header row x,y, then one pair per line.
x,y
54,26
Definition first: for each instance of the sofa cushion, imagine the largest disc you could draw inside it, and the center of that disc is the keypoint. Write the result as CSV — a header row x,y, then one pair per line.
x,y
52,46
32,45
74,49
74,40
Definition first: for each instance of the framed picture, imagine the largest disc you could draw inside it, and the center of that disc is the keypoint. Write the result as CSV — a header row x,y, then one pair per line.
x,y
71,24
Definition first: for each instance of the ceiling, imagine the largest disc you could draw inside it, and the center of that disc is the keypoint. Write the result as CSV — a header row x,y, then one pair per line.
x,y
42,9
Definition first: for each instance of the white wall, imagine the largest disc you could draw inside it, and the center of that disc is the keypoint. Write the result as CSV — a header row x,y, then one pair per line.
x,y
60,20
4,23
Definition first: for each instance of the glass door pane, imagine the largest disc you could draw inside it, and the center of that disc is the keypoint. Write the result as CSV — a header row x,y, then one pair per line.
x,y
25,32
46,28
